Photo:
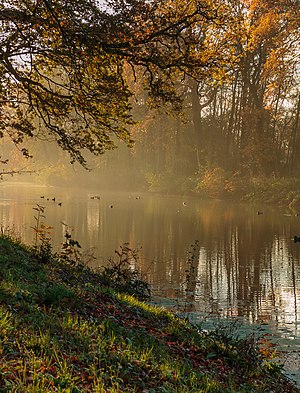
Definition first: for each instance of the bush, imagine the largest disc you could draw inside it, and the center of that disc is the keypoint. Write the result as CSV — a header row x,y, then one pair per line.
x,y
283,191
121,276
213,183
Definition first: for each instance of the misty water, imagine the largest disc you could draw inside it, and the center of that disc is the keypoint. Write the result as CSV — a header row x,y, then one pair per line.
x,y
213,261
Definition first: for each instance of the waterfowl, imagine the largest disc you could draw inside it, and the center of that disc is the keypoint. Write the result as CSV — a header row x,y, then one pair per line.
x,y
184,204
296,239
259,213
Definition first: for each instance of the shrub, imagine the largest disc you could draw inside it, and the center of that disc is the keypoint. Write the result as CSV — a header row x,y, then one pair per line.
x,y
123,277
71,250
213,183
42,247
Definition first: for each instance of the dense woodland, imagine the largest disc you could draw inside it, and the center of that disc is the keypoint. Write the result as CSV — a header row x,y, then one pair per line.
x,y
205,93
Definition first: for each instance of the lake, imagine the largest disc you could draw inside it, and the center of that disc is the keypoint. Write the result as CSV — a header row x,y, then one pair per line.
x,y
213,261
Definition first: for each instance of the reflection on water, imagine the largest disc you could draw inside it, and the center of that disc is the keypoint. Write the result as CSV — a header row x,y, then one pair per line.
x,y
225,259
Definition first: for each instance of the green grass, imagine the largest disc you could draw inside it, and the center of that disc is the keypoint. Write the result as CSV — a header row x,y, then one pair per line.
x,y
62,330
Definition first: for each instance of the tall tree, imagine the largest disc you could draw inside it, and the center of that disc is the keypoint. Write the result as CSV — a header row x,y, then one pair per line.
x,y
61,65
243,112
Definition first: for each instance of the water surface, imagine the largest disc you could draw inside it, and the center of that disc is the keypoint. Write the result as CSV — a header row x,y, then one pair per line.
x,y
214,260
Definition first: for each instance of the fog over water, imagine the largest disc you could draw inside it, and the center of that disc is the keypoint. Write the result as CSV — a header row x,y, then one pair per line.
x,y
209,258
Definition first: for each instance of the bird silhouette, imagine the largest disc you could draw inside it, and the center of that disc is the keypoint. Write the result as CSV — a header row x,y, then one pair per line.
x,y
296,239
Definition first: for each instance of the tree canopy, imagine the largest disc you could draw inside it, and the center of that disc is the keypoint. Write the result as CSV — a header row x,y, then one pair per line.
x,y
62,63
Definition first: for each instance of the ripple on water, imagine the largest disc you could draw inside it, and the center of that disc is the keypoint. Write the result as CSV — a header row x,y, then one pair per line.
x,y
291,364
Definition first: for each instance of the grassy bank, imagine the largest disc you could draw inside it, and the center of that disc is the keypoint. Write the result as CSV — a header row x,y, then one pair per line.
x,y
64,329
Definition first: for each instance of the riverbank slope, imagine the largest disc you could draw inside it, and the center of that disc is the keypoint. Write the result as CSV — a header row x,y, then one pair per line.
x,y
63,330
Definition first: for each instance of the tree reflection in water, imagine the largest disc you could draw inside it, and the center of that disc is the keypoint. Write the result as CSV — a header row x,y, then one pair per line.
x,y
240,264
